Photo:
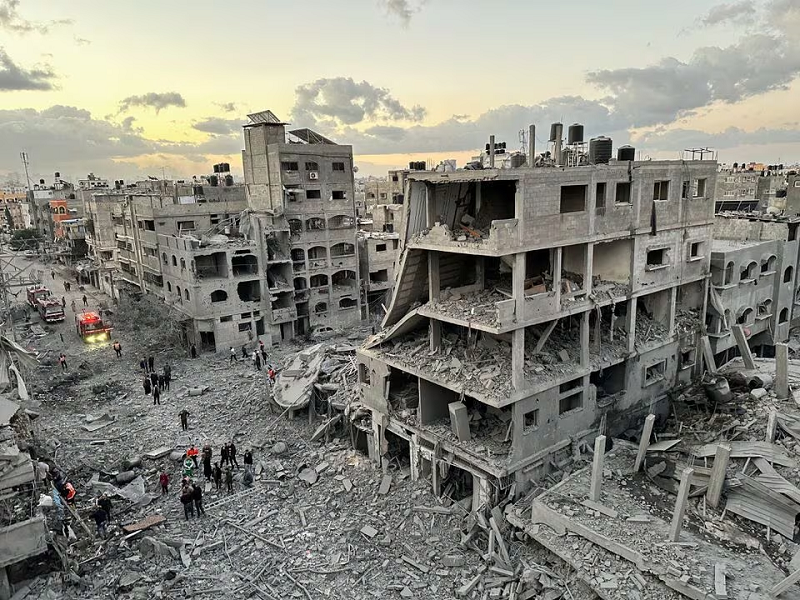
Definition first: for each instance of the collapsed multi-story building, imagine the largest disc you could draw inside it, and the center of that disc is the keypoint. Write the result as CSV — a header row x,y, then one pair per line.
x,y
532,307
754,261
301,193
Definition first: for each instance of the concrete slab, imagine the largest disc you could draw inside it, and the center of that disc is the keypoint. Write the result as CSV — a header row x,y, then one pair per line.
x,y
459,420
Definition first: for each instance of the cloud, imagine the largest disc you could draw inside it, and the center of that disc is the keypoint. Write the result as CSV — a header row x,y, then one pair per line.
x,y
400,9
732,137
671,88
227,106
14,78
345,101
156,100
217,126
729,12
10,20
82,41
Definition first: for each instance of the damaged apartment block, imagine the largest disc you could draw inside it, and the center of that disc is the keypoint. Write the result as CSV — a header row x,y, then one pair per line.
x,y
533,308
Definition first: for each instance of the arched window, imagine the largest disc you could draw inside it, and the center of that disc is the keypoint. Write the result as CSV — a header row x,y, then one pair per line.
x,y
765,308
320,307
183,264
788,272
219,296
169,286
768,266
180,297
164,257
347,303
319,281
746,316
186,293
174,261
784,315
748,272
300,283
729,268
62,210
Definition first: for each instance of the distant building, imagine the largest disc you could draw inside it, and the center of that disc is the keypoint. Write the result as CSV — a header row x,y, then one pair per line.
x,y
300,188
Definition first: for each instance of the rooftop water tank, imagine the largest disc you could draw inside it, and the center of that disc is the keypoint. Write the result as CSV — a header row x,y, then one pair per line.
x,y
575,134
555,131
600,150
626,153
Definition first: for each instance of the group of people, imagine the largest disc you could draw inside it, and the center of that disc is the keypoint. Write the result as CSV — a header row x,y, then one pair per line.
x,y
153,381
191,498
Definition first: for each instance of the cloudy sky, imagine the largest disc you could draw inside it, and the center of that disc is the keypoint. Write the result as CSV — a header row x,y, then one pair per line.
x,y
127,88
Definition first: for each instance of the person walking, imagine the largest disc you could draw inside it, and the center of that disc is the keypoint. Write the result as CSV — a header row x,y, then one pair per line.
x,y
163,479
73,307
257,360
197,496
217,473
223,454
117,349
143,365
104,502
263,349
248,458
229,479
167,375
156,395
150,362
184,414
154,379
232,455
85,300
62,360
53,274
194,351
244,353
146,385
193,453
161,382
187,501
63,302
101,520
207,466
233,355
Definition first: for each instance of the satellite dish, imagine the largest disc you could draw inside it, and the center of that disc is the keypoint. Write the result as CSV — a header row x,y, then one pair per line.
x,y
355,169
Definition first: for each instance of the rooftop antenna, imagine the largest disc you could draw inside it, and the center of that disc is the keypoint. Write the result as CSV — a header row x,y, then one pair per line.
x,y
24,156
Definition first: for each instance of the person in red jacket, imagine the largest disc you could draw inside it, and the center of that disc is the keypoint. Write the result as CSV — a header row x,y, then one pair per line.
x,y
164,481
193,453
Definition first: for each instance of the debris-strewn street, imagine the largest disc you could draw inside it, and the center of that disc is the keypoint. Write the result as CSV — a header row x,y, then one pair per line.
x,y
319,520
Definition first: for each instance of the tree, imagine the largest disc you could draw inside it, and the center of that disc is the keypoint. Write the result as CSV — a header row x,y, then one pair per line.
x,y
25,239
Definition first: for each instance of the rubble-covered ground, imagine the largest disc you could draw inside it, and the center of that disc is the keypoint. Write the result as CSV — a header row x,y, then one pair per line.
x,y
329,532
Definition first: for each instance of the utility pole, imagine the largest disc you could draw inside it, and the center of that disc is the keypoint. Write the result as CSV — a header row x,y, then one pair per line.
x,y
24,156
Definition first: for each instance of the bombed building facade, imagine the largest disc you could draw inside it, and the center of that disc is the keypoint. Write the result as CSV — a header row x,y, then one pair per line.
x,y
532,307
300,190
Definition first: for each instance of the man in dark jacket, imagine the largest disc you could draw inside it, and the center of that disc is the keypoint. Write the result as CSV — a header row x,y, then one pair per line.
x,y
217,476
101,520
248,458
232,454
186,500
197,496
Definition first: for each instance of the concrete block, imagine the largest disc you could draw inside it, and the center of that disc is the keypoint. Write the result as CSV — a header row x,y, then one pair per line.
x,y
644,442
597,468
453,560
717,480
758,393
782,371
459,420
680,504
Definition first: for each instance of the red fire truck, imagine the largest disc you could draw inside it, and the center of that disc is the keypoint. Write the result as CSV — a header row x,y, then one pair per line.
x,y
90,327
50,309
35,293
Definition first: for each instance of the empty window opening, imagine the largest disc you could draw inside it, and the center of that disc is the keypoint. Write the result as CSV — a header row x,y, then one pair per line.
x,y
315,223
219,296
298,255
212,265
319,281
245,326
729,272
765,308
312,166
289,166
748,272
186,293
260,327
658,257
609,381
295,226
746,316
342,249
313,194
687,358
573,198
344,279
338,195
164,258
380,247
348,303
788,272
573,401
320,307
183,264
768,266
699,188
341,222
249,291
655,373
381,276
246,264
685,187
186,226
611,261
300,283
180,296
623,193
573,269
570,385
793,231
696,250
661,190
169,286
531,421
783,316
600,200
226,319
174,261
337,166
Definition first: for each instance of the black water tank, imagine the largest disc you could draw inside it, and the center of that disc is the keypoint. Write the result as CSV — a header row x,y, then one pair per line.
x,y
600,150
213,180
228,180
626,153
225,168
216,168
517,160
41,182
58,175
554,131
575,134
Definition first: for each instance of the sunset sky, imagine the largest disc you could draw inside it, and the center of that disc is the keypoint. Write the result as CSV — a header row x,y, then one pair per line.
x,y
126,88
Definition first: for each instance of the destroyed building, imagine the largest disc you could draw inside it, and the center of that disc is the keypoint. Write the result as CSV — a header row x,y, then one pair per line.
x,y
754,261
532,304
300,189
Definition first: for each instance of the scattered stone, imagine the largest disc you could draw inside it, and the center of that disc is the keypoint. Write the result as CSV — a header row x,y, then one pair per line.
x,y
453,560
308,475
125,477
278,449
128,579
758,393
406,593
369,531
386,483
149,546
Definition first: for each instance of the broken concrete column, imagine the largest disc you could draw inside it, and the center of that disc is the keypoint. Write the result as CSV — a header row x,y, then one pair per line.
x,y
772,425
597,468
459,420
717,480
680,504
744,347
644,442
782,371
